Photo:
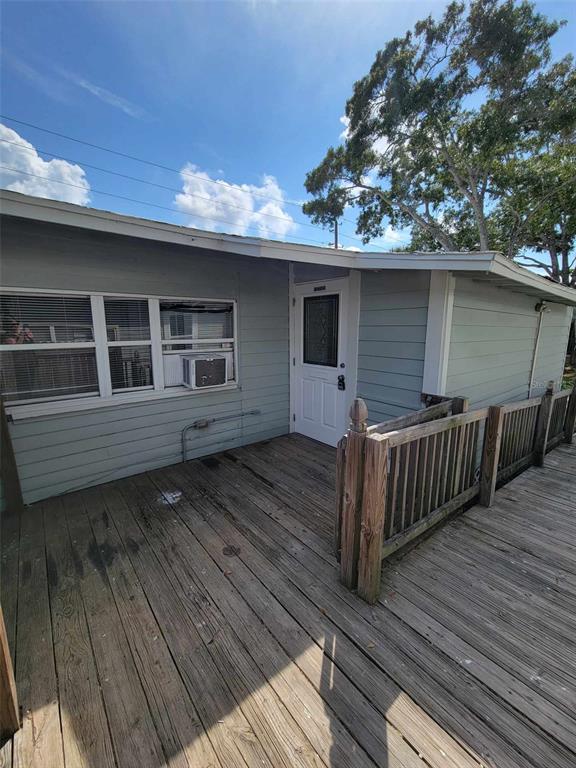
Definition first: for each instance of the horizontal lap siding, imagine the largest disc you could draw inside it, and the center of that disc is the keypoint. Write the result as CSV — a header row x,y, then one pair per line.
x,y
492,343
392,336
553,346
56,454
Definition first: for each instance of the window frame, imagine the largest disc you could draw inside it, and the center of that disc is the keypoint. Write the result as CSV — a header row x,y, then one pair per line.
x,y
107,397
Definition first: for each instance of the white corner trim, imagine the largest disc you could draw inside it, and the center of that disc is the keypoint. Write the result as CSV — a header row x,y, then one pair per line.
x,y
438,332
354,286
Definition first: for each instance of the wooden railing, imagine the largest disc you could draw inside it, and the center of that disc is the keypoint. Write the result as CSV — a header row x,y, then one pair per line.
x,y
560,405
395,484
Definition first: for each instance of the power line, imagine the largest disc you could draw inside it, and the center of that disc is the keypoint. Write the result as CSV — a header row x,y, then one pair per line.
x,y
171,170
152,183
144,202
142,160
163,186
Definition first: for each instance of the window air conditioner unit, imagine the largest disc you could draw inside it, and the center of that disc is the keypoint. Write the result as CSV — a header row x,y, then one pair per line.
x,y
200,371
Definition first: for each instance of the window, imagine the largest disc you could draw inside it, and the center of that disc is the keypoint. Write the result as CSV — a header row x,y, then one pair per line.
x,y
195,328
321,330
111,347
47,347
127,327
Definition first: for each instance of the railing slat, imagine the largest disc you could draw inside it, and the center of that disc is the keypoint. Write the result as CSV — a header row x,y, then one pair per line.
x,y
543,425
491,454
570,421
392,487
340,470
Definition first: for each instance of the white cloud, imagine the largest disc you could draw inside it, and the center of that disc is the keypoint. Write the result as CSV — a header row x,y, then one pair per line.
x,y
235,208
346,123
39,177
108,97
380,145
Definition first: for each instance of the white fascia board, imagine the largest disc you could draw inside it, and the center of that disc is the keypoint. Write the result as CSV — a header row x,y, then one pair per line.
x,y
505,268
67,214
488,262
455,262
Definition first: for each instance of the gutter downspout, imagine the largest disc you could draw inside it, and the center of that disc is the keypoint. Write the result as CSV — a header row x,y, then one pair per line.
x,y
541,308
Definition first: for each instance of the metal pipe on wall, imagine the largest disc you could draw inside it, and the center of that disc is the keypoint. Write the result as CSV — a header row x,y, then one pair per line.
x,y
204,423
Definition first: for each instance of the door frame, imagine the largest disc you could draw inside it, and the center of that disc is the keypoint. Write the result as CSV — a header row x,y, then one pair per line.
x,y
353,326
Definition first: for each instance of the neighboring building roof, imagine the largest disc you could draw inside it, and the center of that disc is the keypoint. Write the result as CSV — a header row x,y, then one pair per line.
x,y
485,266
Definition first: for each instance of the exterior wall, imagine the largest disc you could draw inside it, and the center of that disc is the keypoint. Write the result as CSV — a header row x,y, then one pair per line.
x,y
305,273
392,336
553,346
60,453
492,344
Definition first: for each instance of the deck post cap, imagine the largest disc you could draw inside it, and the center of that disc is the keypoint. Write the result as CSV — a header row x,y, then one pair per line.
x,y
358,415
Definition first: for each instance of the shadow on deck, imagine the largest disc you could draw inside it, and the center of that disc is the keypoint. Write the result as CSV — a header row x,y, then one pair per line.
x,y
193,616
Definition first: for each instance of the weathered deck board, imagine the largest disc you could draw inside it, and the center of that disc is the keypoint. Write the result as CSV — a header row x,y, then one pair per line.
x,y
193,616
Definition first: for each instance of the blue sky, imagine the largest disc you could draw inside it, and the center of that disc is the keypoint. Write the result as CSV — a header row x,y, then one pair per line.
x,y
246,92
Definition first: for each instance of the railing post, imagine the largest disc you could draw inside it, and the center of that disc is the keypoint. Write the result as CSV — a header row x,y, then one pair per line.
x,y
570,420
352,496
373,518
460,405
340,469
543,425
9,712
491,454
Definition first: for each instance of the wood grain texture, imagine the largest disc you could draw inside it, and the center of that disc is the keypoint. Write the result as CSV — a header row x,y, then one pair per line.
x,y
372,519
352,508
214,614
491,454
9,713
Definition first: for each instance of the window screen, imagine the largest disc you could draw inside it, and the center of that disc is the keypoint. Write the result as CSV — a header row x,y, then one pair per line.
x,y
48,373
29,326
196,320
127,319
36,319
127,323
130,367
321,330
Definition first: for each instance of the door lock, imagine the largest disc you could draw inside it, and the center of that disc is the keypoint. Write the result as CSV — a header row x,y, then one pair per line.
x,y
341,382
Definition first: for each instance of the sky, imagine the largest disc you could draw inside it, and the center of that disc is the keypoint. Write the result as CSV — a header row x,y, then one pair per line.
x,y
230,103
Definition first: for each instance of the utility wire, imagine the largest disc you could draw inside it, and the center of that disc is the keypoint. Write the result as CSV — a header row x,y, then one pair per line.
x,y
167,168
163,186
144,202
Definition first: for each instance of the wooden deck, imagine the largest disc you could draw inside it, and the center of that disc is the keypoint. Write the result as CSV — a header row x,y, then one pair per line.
x,y
193,616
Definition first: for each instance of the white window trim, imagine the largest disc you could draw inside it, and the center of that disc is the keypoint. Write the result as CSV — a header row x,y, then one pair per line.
x,y
107,398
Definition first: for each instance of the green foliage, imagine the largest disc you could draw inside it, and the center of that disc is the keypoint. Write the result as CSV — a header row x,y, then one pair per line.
x,y
459,131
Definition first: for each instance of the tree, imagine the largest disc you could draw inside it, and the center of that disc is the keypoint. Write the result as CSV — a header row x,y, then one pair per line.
x,y
441,121
538,213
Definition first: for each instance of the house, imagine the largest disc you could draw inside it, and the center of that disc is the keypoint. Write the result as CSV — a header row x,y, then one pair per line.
x,y
103,315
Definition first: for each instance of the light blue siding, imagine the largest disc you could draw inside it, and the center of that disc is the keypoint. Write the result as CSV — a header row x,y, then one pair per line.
x,y
60,453
392,336
492,343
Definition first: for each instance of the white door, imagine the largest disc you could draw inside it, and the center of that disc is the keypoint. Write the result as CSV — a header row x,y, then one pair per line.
x,y
321,399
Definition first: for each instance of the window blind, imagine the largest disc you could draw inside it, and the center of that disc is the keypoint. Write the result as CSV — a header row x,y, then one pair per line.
x,y
127,319
38,319
29,325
